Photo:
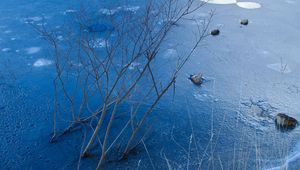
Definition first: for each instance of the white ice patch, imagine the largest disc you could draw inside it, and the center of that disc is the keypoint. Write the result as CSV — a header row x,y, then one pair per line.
x,y
131,8
60,37
35,19
41,24
280,67
68,11
99,43
32,50
5,49
105,11
220,1
170,53
42,62
32,19
134,65
249,5
200,97
204,97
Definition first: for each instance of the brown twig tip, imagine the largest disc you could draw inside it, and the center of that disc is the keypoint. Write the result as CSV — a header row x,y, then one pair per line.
x,y
86,155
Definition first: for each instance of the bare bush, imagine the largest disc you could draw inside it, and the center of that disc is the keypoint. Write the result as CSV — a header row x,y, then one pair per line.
x,y
98,72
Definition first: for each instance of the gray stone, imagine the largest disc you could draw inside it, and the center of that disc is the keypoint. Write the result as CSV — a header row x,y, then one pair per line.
x,y
215,32
244,22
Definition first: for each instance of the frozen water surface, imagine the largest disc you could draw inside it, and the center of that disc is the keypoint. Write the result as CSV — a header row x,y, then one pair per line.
x,y
231,114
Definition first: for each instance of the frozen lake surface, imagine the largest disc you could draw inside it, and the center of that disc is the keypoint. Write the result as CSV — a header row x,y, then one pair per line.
x,y
252,73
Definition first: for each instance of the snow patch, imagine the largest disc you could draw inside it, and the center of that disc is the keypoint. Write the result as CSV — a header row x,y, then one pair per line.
x,y
32,19
249,5
42,62
5,49
204,97
133,65
60,37
68,11
105,11
131,8
223,2
170,53
99,43
33,50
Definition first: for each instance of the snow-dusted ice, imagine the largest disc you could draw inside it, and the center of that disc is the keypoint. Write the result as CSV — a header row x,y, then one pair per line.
x,y
32,50
249,5
42,62
220,1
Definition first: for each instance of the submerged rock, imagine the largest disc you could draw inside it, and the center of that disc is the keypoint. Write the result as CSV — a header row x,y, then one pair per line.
x,y
244,22
215,32
197,79
285,122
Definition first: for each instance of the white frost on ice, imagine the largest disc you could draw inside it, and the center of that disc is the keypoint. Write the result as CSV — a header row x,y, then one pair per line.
x,y
60,37
170,53
5,50
204,97
280,67
32,19
106,11
131,8
68,11
245,5
249,5
220,1
99,43
42,62
36,19
33,50
134,65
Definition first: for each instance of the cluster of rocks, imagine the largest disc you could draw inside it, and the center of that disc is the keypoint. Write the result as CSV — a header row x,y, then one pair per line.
x,y
282,121
216,32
